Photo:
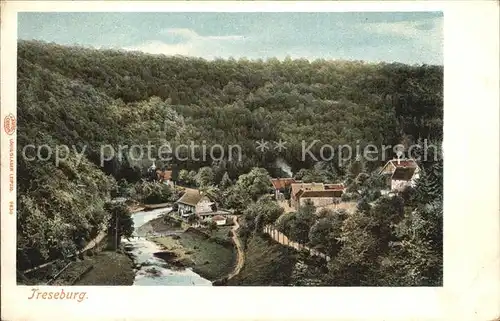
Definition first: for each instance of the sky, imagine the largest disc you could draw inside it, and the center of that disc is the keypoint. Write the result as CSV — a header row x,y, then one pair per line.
x,y
405,37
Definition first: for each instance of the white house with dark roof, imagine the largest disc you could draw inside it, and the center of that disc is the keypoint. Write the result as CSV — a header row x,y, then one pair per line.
x,y
400,173
193,202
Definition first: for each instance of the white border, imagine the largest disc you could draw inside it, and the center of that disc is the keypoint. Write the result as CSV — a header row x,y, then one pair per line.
x,y
471,280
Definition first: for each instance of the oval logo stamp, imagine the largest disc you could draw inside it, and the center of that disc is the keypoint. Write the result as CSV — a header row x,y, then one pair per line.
x,y
9,124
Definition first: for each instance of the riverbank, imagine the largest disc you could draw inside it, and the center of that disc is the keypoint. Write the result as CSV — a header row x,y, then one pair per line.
x,y
209,256
159,225
163,252
140,207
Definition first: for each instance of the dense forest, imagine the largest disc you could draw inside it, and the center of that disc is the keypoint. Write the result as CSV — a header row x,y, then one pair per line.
x,y
86,98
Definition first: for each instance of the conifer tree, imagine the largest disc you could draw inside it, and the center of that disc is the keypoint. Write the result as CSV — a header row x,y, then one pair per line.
x,y
225,182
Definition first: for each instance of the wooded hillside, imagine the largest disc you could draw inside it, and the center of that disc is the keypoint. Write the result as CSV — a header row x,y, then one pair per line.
x,y
84,97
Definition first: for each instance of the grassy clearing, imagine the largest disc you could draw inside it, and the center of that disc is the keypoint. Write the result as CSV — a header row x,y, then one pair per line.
x,y
222,232
266,263
211,259
108,268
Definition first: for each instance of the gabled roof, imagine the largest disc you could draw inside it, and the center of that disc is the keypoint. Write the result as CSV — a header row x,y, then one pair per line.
x,y
403,173
404,163
218,218
190,197
280,183
401,163
316,189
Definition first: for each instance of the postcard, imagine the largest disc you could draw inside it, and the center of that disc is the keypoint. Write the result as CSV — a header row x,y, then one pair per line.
x,y
250,160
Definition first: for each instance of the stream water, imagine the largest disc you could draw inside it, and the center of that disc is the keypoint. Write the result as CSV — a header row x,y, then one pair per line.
x,y
150,269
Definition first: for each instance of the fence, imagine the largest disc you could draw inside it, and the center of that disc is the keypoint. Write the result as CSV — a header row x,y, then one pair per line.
x,y
284,240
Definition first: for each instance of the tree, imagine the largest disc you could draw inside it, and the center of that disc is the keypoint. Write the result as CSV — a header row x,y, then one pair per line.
x,y
417,254
128,172
355,262
370,188
153,192
302,223
355,168
265,210
187,177
212,226
120,222
125,189
257,182
324,234
429,186
314,175
236,197
284,222
205,177
363,206
324,213
225,182
386,212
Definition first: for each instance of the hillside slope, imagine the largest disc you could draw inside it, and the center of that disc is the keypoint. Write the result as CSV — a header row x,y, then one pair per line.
x,y
85,99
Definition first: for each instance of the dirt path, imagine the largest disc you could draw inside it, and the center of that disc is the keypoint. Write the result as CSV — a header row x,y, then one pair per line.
x,y
240,261
94,242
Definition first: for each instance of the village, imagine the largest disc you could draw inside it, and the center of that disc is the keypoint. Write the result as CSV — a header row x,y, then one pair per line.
x,y
211,225
199,208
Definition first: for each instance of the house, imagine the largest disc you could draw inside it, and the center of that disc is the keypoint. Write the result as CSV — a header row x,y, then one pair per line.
x,y
279,186
164,177
402,178
219,220
400,173
193,202
318,193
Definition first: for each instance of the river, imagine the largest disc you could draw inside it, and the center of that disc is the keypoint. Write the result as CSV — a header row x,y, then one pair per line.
x,y
150,269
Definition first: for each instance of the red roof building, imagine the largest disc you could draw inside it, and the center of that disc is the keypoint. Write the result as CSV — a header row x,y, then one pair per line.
x,y
282,183
164,175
